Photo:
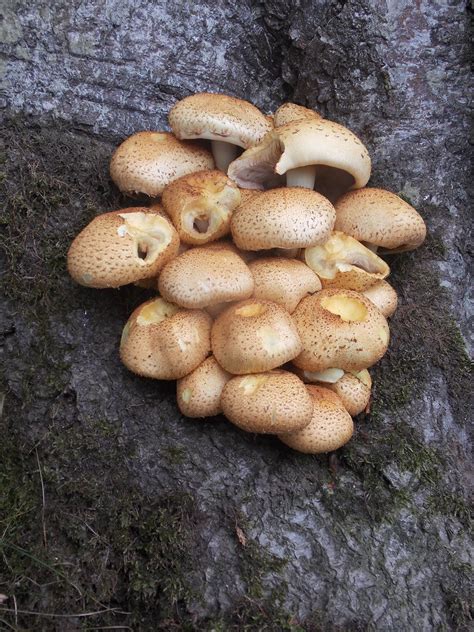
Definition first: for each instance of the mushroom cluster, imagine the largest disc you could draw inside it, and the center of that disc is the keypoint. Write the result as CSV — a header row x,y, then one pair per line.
x,y
264,245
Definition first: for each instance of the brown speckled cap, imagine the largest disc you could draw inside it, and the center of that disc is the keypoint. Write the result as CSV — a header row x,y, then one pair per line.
x,y
147,161
353,388
383,296
292,112
199,393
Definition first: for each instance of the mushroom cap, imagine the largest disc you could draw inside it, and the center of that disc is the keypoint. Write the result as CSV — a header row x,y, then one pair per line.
x,y
383,296
290,217
228,244
343,262
353,388
165,342
339,328
205,276
267,403
253,336
147,161
200,205
199,393
283,281
292,112
379,217
330,427
310,141
122,247
219,117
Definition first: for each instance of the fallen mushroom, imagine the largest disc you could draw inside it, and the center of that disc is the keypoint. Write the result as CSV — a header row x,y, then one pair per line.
x,y
268,403
380,219
165,342
199,393
147,161
122,247
383,296
228,122
330,427
253,336
292,112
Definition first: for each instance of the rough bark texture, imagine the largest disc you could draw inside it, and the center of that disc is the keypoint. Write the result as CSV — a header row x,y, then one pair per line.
x,y
112,499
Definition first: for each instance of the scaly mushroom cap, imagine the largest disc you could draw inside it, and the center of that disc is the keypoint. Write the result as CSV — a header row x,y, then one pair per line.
x,y
383,296
199,393
292,112
283,218
228,244
283,281
219,117
343,262
267,403
380,218
205,276
254,336
122,247
300,144
165,342
330,427
339,329
200,205
147,161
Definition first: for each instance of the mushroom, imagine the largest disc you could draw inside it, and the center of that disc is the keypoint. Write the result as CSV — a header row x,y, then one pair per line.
x,y
122,247
307,151
283,218
283,281
380,219
227,122
254,336
165,342
330,427
205,276
147,161
267,403
339,329
292,112
344,262
383,296
199,393
200,205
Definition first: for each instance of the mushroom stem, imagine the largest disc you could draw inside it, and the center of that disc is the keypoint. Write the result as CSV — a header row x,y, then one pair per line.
x,y
372,247
224,153
301,177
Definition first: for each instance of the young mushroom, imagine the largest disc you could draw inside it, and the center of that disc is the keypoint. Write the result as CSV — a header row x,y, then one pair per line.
x,y
283,281
344,262
283,218
380,219
122,247
199,393
254,336
383,296
228,122
289,112
330,427
165,342
147,161
267,403
339,329
202,276
200,205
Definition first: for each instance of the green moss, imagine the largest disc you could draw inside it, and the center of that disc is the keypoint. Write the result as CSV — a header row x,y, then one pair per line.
x,y
175,454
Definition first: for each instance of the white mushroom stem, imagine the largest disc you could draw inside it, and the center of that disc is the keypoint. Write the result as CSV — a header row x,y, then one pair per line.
x,y
372,247
301,177
224,153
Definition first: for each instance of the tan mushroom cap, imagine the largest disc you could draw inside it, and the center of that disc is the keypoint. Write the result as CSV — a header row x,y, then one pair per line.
x,y
227,244
330,427
200,205
292,112
205,276
283,281
253,336
339,329
165,342
383,296
343,262
380,218
147,161
199,393
267,403
122,247
219,117
290,217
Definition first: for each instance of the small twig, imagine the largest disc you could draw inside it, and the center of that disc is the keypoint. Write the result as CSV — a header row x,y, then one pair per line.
x,y
72,615
8,625
43,496
16,610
